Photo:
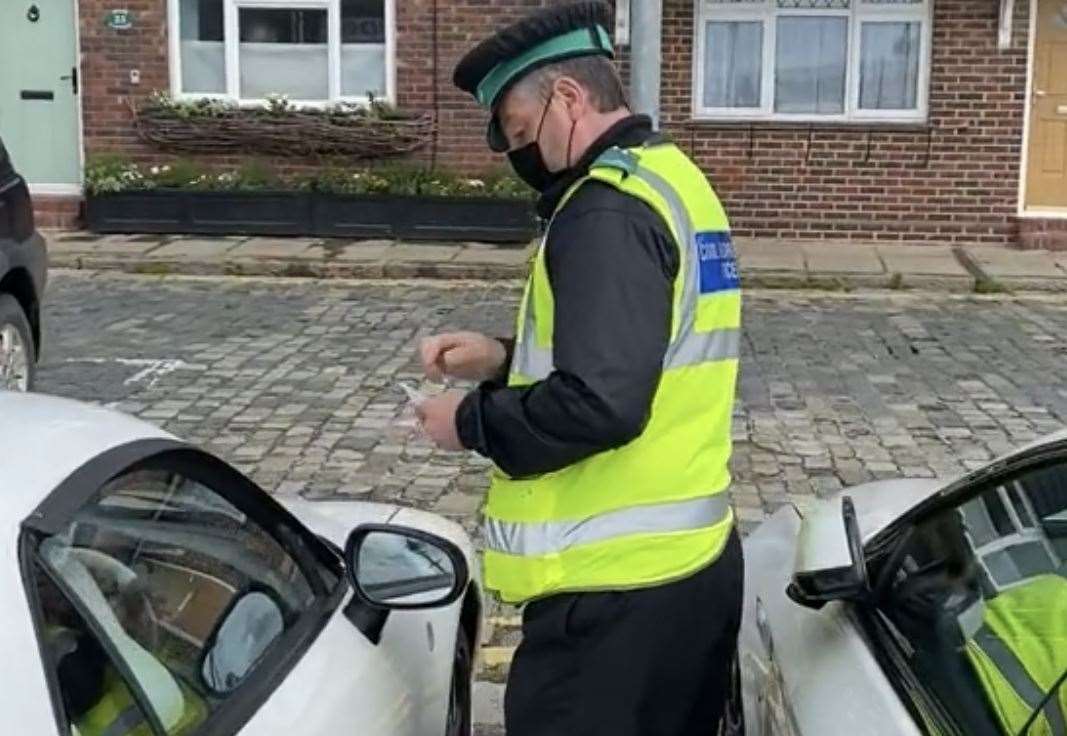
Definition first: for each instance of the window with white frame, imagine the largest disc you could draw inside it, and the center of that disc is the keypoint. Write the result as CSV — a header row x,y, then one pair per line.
x,y
833,60
309,50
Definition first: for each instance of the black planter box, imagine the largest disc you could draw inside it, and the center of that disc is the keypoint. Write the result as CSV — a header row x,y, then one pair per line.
x,y
308,213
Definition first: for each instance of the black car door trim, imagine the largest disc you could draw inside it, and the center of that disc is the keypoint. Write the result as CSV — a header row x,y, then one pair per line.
x,y
56,511
892,661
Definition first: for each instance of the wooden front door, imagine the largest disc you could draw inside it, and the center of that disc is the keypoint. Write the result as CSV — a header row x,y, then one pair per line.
x,y
1046,177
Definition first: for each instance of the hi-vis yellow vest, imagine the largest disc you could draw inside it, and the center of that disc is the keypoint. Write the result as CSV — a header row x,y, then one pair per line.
x,y
657,509
1019,653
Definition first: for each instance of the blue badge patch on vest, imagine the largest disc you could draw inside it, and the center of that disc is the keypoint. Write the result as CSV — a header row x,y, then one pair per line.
x,y
717,262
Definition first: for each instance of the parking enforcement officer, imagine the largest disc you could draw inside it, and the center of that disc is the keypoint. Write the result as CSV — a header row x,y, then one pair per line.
x,y
608,418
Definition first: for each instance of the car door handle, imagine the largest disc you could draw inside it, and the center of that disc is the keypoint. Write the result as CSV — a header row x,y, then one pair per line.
x,y
1061,110
1040,93
73,77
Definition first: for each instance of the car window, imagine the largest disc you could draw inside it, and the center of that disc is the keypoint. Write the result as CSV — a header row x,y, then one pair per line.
x,y
979,594
186,591
95,696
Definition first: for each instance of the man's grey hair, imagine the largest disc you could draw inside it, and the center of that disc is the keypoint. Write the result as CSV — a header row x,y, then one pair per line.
x,y
597,74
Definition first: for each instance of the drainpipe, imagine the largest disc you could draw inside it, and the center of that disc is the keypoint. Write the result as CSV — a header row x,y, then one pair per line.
x,y
646,34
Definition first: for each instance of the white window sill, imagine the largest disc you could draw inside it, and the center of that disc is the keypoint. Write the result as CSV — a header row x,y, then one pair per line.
x,y
804,122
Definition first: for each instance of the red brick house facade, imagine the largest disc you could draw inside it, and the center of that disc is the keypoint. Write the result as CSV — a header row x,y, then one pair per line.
x,y
946,164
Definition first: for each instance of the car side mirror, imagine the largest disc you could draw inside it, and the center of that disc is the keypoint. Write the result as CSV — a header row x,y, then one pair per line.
x,y
398,568
244,633
830,562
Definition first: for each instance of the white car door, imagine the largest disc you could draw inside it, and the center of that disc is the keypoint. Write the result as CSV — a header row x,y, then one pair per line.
x,y
179,599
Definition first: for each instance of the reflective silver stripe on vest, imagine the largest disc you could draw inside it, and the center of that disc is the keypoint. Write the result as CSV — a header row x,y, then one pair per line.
x,y
691,347
536,539
126,722
530,360
702,347
1013,671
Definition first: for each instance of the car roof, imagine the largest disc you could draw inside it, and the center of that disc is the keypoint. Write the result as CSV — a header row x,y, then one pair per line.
x,y
43,439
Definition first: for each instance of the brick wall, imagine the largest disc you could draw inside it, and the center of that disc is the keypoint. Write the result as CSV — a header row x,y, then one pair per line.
x,y
1045,234
107,57
953,180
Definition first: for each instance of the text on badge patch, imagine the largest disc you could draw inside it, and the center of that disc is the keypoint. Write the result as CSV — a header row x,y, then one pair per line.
x,y
717,262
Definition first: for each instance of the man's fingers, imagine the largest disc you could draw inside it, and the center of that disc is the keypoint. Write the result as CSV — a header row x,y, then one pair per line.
x,y
443,354
430,351
454,358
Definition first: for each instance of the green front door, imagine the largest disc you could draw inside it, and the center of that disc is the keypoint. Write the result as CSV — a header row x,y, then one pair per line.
x,y
38,89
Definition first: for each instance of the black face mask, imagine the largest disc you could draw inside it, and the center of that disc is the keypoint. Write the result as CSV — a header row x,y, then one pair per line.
x,y
529,163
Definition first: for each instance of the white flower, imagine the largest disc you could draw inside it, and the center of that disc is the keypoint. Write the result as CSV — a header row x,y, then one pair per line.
x,y
476,183
154,170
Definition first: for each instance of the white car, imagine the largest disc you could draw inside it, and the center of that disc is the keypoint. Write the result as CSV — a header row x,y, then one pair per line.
x,y
914,607
150,588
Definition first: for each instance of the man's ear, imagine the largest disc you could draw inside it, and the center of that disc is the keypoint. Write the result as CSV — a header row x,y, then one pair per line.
x,y
574,97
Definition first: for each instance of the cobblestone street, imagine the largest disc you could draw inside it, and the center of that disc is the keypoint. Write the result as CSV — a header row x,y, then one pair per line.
x,y
295,381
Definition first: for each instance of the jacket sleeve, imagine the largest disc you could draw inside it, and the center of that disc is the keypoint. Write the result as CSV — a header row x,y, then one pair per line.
x,y
501,378
611,264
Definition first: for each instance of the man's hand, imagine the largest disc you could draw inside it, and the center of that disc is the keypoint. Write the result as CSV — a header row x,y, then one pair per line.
x,y
466,355
438,417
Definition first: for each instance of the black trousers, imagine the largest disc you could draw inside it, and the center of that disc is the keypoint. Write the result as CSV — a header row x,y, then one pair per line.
x,y
650,662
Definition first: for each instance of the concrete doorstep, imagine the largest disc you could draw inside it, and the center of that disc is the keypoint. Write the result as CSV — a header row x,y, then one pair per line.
x,y
764,263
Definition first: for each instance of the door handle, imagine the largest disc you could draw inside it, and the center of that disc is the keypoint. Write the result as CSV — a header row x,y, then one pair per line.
x,y
73,77
1061,110
1040,93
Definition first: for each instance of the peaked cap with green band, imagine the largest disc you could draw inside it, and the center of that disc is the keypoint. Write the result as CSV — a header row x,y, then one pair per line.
x,y
554,34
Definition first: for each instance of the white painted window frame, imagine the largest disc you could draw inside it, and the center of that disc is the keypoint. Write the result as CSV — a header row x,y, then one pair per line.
x,y
767,12
231,39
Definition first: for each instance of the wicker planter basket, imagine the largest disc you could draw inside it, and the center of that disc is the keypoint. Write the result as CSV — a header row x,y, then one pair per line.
x,y
294,133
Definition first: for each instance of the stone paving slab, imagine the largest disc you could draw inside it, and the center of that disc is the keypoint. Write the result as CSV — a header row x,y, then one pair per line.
x,y
420,253
773,256
293,381
112,245
195,248
275,248
367,251
933,267
1019,270
519,257
842,258
921,260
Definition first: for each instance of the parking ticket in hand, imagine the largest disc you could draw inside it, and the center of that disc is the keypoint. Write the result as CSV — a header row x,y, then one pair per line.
x,y
415,397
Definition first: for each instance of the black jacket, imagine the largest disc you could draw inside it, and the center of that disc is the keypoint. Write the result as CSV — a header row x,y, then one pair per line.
x,y
611,262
